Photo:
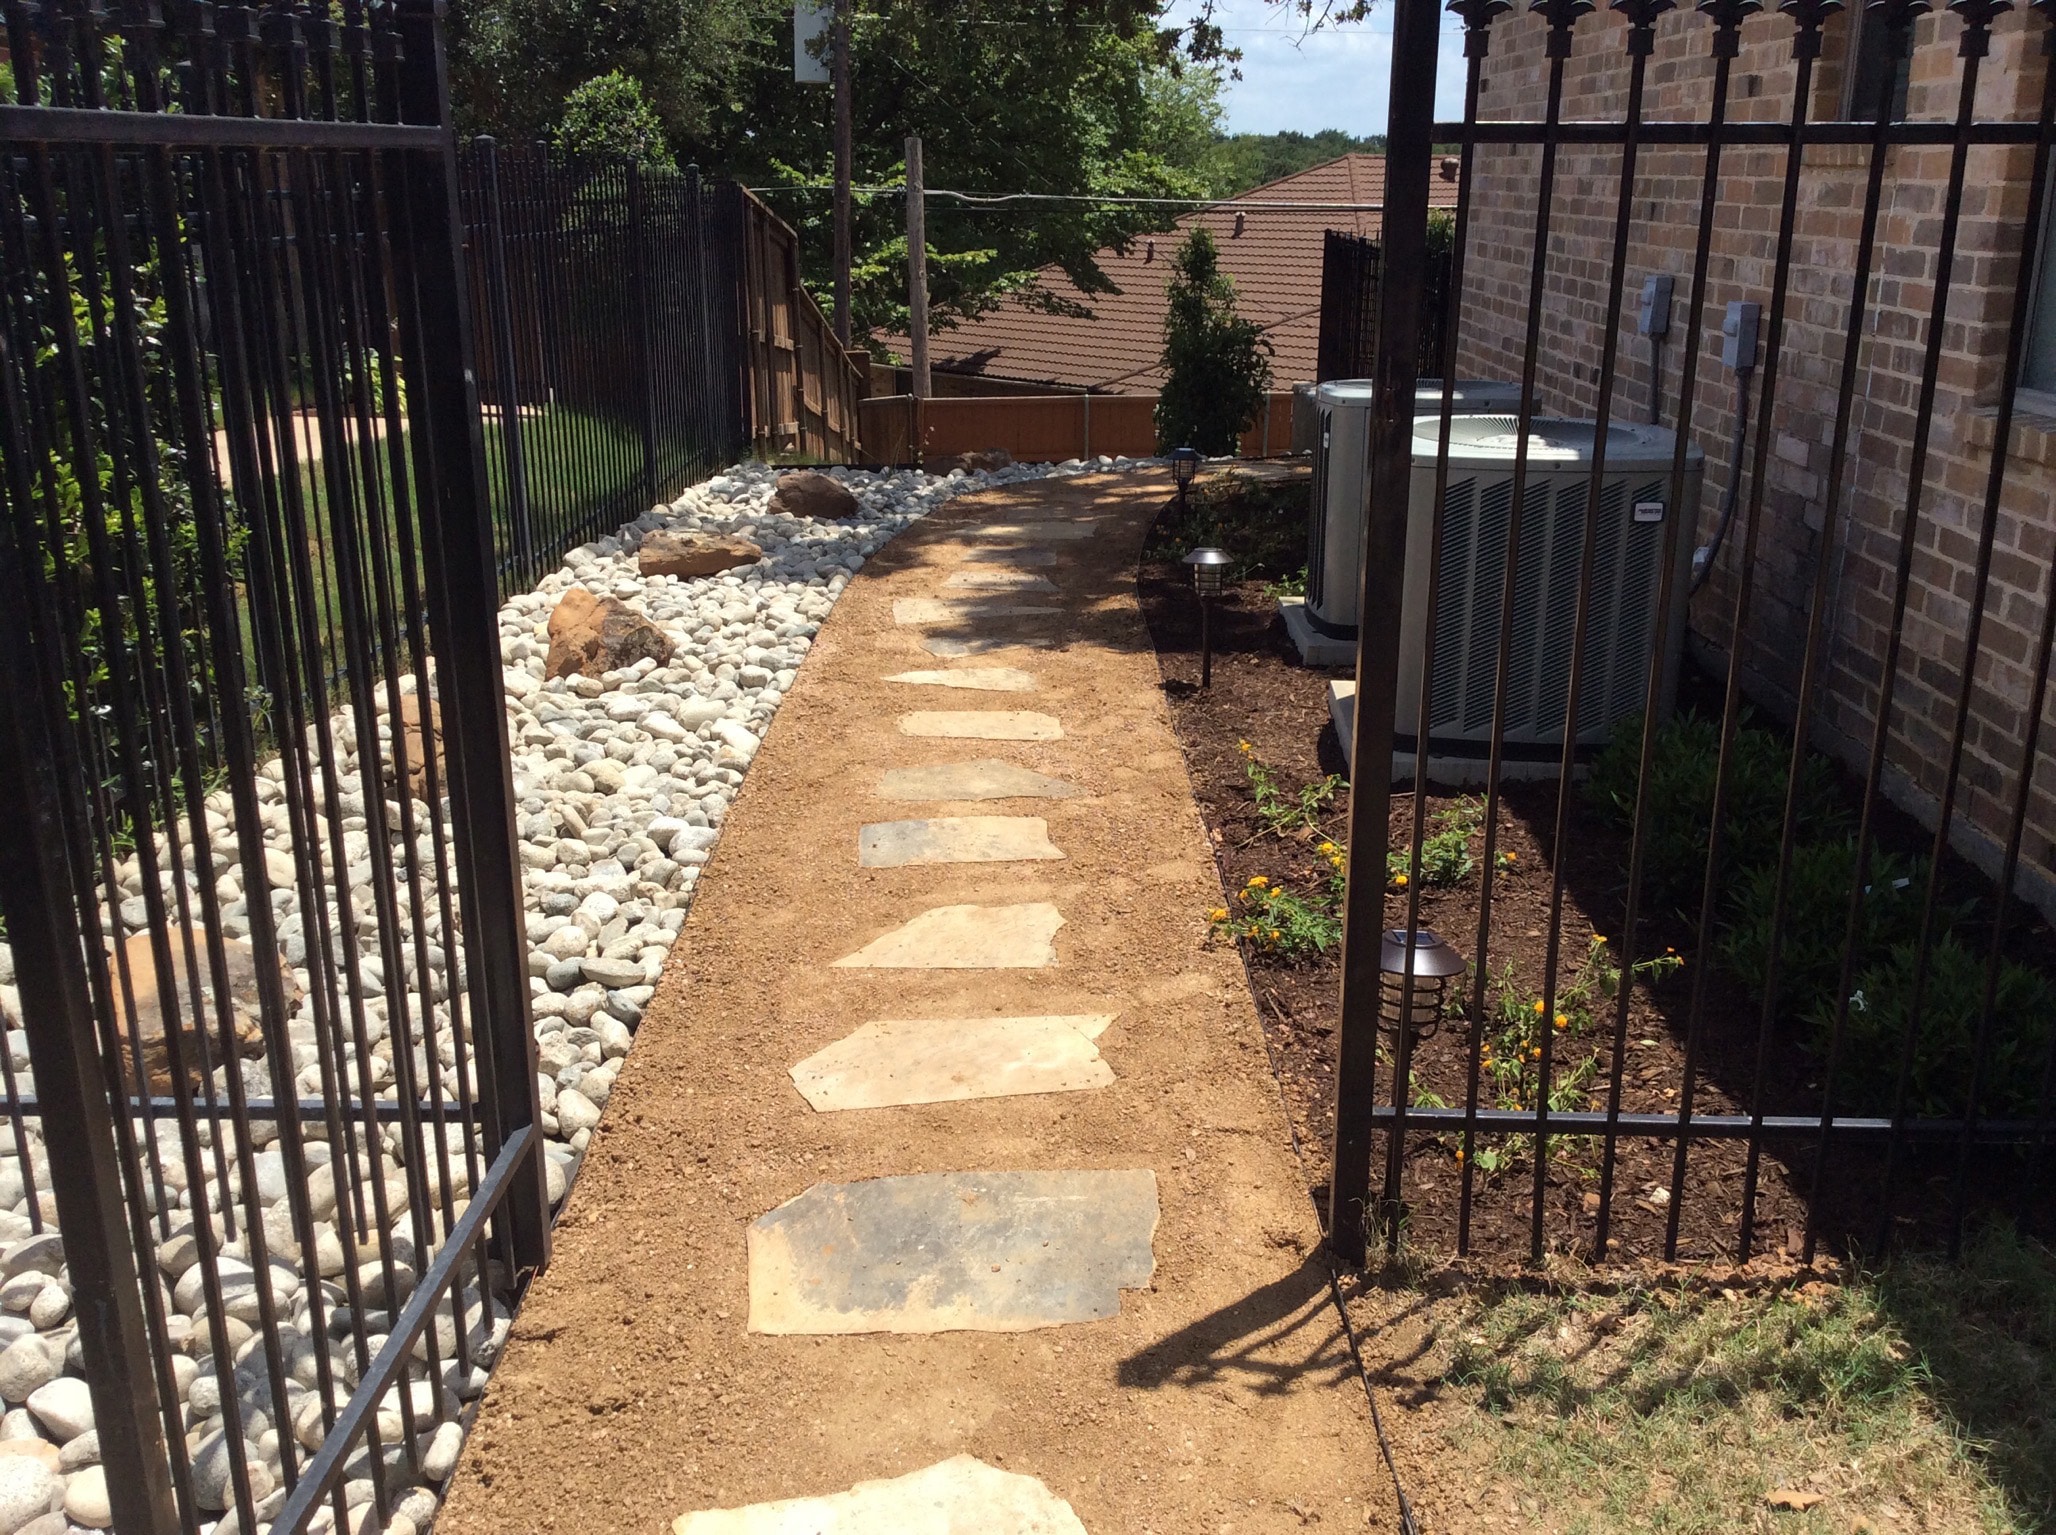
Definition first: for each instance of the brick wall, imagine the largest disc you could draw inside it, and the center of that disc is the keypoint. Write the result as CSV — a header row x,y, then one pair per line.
x,y
1663,234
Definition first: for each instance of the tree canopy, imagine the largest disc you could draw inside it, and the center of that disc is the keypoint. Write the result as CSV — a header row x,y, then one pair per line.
x,y
1067,99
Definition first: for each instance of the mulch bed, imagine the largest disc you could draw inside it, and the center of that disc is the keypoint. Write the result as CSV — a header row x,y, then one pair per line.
x,y
1262,694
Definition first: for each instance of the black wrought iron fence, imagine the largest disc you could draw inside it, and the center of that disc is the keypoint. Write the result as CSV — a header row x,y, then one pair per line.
x,y
607,299
1779,975
272,1132
1348,340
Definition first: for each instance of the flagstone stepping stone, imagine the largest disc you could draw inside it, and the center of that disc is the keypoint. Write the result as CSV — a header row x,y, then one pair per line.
x,y
1051,531
953,1252
944,1060
976,556
982,724
915,611
958,1496
954,839
1019,937
987,778
999,580
978,679
948,648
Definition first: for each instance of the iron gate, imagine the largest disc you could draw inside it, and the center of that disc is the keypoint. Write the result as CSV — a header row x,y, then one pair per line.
x,y
258,873
1873,180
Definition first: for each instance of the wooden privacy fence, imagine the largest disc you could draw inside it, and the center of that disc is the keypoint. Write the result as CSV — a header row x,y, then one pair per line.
x,y
1040,428
802,386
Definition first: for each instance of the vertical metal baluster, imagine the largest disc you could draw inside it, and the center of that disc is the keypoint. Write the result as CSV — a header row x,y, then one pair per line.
x,y
1808,18
1995,484
1727,17
1978,16
1478,16
1409,151
1641,42
1898,18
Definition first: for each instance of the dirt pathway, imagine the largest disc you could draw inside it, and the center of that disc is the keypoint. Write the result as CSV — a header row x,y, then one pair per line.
x,y
1220,1397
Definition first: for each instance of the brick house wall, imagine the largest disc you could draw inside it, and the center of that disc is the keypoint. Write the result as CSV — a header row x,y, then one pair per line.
x,y
1663,236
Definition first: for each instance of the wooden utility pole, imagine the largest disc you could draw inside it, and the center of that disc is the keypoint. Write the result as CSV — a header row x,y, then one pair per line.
x,y
839,43
917,267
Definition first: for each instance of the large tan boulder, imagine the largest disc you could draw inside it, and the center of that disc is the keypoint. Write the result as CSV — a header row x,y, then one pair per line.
x,y
591,635
809,493
675,552
418,747
246,1019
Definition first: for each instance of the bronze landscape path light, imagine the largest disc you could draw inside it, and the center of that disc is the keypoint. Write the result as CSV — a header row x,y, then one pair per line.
x,y
1209,566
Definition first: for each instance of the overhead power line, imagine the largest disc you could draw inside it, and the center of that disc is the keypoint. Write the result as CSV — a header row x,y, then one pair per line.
x,y
1000,199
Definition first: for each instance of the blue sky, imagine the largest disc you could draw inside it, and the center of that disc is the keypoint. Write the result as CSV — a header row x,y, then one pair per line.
x,y
1334,78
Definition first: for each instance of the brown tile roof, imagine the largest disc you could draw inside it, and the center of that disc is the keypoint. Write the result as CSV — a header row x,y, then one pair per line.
x,y
1275,261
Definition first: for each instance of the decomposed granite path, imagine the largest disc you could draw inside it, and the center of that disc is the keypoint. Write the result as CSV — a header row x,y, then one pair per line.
x,y
946,1191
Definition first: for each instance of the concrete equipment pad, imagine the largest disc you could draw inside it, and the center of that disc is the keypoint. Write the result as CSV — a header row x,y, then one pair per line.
x,y
958,1496
966,938
953,1252
987,778
943,1060
954,839
982,724
978,679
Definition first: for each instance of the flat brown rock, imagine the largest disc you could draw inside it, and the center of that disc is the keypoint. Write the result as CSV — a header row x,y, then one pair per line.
x,y
987,778
677,552
811,494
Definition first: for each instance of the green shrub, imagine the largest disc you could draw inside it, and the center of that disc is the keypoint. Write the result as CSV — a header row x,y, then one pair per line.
x,y
609,115
1216,364
1939,1083
1816,917
1682,771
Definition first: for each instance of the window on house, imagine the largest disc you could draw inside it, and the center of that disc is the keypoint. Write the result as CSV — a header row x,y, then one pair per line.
x,y
1871,64
2040,369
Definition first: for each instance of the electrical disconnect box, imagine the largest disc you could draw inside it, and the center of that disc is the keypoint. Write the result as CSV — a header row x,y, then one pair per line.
x,y
1655,316
1738,335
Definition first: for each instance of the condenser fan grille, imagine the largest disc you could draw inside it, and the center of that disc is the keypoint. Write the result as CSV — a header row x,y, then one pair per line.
x,y
1621,627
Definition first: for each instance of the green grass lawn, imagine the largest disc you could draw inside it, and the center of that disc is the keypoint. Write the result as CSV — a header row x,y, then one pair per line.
x,y
1919,1397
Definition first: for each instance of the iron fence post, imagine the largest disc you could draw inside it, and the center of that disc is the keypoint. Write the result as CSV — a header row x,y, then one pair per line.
x,y
1409,155
463,603
36,899
503,352
640,276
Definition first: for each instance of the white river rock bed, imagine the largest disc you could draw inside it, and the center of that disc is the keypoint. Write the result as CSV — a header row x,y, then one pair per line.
x,y
621,785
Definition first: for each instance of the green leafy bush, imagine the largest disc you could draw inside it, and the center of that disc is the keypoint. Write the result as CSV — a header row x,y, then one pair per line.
x,y
609,115
1682,772
2023,1010
1216,364
1817,916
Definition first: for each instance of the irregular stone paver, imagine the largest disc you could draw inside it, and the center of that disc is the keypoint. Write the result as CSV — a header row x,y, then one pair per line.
x,y
954,839
949,648
1001,556
1052,531
978,679
953,1252
958,1496
987,778
966,938
914,611
942,1060
999,580
982,724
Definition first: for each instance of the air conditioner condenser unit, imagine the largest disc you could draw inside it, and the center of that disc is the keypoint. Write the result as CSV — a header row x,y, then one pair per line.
x,y
1324,626
1638,527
